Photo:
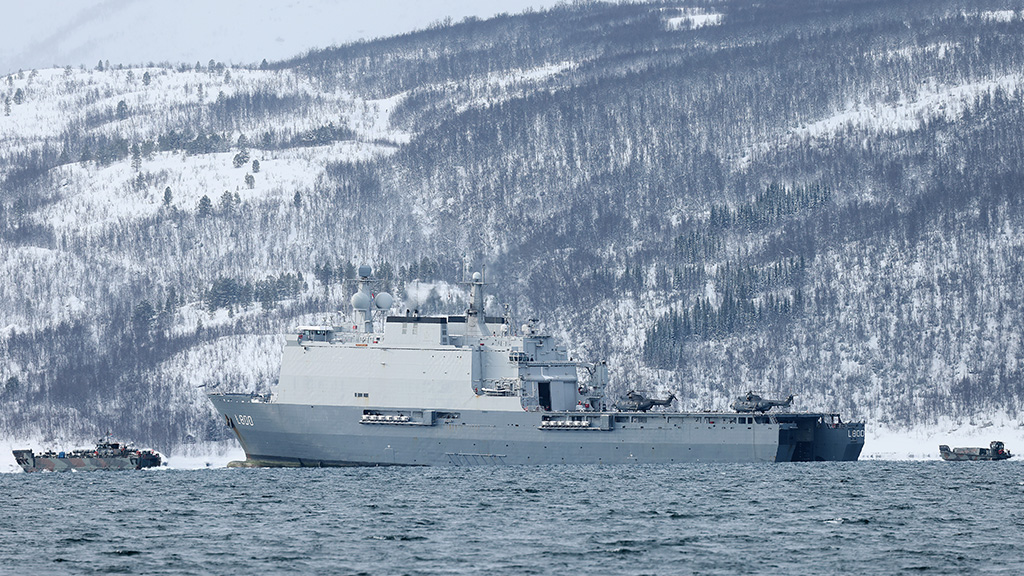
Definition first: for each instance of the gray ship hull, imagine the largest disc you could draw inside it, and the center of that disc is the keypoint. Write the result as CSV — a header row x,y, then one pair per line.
x,y
277,434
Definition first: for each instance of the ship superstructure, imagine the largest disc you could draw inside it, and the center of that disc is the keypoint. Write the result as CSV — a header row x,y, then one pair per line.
x,y
429,390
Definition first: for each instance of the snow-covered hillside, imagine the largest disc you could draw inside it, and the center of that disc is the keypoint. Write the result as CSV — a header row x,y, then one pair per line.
x,y
826,203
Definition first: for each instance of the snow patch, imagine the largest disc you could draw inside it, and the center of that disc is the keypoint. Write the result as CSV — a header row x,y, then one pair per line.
x,y
99,197
123,106
931,101
693,20
999,15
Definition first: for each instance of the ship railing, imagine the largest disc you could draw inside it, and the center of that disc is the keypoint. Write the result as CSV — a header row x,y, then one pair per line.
x,y
572,422
834,421
384,419
355,338
424,418
590,366
565,424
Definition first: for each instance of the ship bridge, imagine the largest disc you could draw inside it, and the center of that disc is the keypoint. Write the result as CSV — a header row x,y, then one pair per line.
x,y
434,362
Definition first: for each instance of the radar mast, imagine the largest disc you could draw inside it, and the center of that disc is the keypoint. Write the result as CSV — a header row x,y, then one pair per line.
x,y
364,302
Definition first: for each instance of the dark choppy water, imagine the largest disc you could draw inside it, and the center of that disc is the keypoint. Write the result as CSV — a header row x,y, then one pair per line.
x,y
851,518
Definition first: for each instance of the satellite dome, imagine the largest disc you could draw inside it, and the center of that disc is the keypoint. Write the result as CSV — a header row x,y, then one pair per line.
x,y
477,277
383,301
360,301
365,271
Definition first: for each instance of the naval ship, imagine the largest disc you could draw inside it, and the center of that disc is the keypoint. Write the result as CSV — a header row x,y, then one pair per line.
x,y
469,390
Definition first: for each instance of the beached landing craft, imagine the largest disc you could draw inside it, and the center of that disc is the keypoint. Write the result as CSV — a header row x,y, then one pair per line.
x,y
465,390
995,451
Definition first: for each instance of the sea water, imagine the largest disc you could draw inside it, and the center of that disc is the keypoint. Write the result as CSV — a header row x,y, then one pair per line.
x,y
800,518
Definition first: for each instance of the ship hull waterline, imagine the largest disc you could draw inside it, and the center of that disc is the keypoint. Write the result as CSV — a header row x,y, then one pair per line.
x,y
275,434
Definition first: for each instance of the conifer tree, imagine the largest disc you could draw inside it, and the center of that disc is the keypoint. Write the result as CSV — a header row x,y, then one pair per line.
x,y
226,201
136,157
172,297
205,207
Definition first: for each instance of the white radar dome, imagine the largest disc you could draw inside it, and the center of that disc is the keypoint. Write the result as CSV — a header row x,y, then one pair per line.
x,y
364,271
383,301
360,301
476,277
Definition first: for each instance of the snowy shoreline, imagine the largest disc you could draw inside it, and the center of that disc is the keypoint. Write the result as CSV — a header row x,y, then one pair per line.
x,y
920,443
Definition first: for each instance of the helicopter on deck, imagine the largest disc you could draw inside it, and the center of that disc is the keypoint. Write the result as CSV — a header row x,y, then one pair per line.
x,y
637,402
753,403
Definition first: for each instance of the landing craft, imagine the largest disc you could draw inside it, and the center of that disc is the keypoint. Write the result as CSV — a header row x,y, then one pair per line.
x,y
754,403
107,455
383,389
996,451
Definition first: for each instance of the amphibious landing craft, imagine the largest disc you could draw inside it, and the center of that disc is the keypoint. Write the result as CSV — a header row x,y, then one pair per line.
x,y
107,455
996,451
468,390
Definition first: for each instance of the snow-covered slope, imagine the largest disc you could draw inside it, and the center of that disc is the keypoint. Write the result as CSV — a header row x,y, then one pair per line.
x,y
714,200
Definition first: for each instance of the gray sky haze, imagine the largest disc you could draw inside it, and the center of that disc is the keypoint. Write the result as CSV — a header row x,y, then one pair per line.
x,y
57,33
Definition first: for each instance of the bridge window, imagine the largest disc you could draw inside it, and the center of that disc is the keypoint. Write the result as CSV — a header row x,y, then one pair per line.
x,y
315,335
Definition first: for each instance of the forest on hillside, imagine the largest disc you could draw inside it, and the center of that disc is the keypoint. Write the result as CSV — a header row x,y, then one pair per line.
x,y
817,198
